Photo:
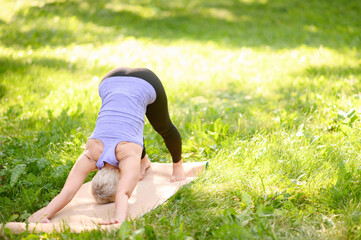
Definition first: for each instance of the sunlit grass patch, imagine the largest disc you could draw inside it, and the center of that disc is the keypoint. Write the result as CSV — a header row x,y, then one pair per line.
x,y
266,91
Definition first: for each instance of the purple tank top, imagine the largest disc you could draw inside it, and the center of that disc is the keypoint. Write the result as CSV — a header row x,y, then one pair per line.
x,y
121,116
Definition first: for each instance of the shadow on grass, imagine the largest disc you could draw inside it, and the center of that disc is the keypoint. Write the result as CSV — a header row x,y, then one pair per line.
x,y
278,24
2,91
334,72
177,217
346,190
24,67
224,212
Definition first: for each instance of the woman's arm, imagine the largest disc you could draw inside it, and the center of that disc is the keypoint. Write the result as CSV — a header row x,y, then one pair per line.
x,y
128,155
129,168
76,178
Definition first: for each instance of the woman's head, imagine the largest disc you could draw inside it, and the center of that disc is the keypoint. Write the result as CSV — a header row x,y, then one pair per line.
x,y
104,185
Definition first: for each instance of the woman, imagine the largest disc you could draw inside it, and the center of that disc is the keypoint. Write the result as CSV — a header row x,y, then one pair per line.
x,y
116,147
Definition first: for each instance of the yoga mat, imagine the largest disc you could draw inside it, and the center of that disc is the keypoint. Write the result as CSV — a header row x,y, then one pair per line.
x,y
83,213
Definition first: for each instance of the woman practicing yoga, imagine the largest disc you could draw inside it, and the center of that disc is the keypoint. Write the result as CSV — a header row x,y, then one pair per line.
x,y
116,147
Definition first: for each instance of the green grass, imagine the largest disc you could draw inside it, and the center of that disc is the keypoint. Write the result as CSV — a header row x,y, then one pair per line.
x,y
267,91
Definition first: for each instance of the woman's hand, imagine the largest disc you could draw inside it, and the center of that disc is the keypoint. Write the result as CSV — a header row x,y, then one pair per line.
x,y
110,222
44,220
39,219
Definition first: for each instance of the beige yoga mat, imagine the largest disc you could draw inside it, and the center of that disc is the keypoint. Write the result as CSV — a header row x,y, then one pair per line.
x,y
83,213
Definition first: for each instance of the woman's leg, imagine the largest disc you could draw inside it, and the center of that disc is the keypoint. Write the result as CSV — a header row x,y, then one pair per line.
x,y
144,163
158,116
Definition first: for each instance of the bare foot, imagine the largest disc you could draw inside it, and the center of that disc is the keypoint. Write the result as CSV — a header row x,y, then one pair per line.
x,y
144,165
178,172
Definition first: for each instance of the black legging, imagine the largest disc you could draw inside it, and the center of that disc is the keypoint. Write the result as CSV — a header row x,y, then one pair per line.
x,y
157,112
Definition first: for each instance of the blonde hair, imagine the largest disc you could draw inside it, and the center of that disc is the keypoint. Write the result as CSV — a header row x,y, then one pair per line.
x,y
104,185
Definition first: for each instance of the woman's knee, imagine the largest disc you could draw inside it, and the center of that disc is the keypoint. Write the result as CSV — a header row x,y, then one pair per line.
x,y
167,130
125,150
